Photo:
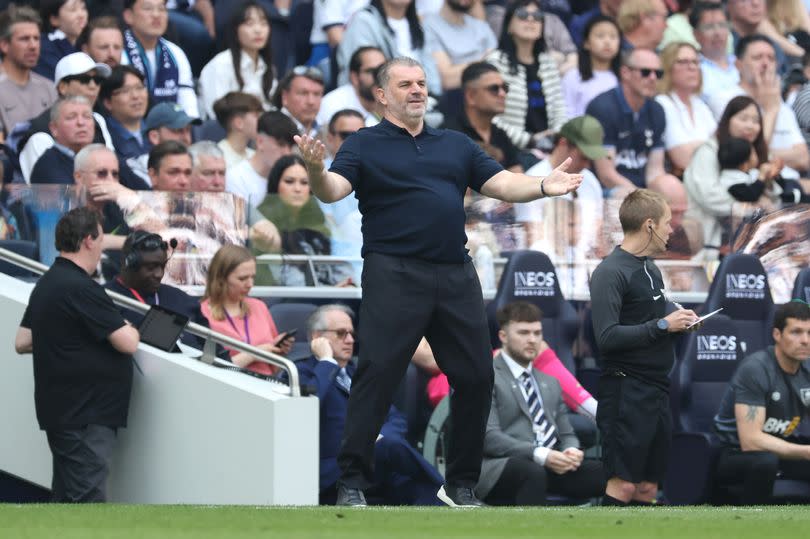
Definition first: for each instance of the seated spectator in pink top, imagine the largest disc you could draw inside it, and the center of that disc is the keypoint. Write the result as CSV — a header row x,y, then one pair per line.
x,y
230,311
575,396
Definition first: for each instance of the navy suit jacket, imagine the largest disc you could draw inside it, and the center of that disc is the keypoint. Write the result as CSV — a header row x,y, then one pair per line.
x,y
334,403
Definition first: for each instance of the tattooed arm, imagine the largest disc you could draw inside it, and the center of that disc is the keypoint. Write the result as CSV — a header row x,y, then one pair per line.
x,y
750,420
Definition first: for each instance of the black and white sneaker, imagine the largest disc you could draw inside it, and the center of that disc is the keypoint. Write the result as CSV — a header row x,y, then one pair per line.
x,y
352,497
459,497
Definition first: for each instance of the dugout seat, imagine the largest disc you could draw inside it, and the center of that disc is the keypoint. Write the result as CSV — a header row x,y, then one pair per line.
x,y
740,286
289,316
530,276
699,379
801,286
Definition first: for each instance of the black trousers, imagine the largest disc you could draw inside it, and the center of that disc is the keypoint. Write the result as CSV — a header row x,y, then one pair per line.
x,y
404,300
755,472
524,482
81,463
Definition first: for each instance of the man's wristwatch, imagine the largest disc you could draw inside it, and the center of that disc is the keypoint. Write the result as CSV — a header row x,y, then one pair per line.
x,y
663,324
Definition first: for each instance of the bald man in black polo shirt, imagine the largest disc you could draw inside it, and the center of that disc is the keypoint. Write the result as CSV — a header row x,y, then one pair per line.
x,y
410,181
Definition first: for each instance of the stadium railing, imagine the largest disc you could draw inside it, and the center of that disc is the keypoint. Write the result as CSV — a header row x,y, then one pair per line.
x,y
212,338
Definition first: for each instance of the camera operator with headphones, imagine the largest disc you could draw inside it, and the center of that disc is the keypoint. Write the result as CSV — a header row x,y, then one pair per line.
x,y
143,263
635,338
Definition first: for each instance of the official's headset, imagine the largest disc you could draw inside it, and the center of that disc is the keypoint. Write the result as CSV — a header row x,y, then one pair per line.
x,y
142,241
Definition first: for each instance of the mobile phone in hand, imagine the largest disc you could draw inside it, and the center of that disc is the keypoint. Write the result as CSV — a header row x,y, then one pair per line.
x,y
288,335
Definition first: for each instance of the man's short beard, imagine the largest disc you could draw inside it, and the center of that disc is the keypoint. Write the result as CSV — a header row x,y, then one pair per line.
x,y
366,92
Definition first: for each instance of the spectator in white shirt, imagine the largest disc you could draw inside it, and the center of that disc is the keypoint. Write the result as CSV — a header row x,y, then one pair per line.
x,y
717,66
329,18
756,61
689,120
238,113
246,66
358,93
248,179
163,63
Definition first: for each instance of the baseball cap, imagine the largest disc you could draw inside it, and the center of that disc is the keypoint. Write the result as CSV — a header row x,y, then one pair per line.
x,y
78,63
586,133
169,115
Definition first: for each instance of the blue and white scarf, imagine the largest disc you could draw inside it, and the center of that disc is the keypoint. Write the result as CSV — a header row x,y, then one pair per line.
x,y
166,83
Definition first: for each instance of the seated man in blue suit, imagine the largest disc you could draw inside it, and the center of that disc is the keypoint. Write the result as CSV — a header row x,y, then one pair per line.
x,y
530,449
402,476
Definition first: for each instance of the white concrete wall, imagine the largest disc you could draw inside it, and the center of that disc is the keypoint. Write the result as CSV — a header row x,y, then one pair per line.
x,y
196,434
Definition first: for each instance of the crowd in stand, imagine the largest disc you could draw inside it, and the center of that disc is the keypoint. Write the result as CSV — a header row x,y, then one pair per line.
x,y
659,77
700,101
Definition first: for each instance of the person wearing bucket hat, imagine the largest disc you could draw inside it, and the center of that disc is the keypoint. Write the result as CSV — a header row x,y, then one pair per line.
x,y
75,75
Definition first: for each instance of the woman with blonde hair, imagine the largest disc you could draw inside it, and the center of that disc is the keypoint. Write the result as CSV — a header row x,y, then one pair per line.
x,y
690,122
788,24
230,311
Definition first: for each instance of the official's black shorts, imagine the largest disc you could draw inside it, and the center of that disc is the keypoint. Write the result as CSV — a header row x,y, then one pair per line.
x,y
636,428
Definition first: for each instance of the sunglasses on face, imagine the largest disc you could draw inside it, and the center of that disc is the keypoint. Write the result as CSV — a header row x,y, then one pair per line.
x,y
102,173
494,89
344,134
341,333
85,79
646,72
524,14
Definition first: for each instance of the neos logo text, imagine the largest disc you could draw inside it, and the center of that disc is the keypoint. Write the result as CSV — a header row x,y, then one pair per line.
x,y
534,283
717,348
745,286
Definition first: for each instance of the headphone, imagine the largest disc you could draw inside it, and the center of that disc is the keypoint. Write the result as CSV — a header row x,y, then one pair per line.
x,y
145,241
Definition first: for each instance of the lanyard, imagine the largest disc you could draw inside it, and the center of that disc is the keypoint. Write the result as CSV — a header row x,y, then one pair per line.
x,y
233,325
136,294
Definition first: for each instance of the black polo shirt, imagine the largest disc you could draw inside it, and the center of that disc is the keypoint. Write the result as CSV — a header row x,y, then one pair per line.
x,y
499,147
411,189
79,378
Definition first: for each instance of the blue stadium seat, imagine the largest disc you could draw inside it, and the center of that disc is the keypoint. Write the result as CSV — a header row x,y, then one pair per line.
x,y
710,357
530,276
411,399
741,288
25,248
288,316
801,286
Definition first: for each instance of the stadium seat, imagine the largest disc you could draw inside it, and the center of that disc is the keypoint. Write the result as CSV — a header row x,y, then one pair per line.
x,y
411,399
288,316
699,380
27,249
740,287
801,286
530,276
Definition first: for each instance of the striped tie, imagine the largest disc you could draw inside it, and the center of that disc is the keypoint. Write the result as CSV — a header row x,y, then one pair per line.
x,y
343,380
545,431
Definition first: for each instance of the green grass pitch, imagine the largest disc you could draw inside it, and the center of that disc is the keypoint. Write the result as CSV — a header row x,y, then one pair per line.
x,y
200,522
